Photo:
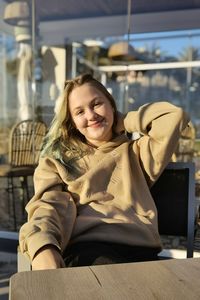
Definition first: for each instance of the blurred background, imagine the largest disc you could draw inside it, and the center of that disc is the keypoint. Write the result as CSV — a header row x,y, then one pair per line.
x,y
142,52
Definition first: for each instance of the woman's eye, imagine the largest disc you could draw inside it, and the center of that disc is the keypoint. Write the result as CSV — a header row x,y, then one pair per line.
x,y
79,112
97,104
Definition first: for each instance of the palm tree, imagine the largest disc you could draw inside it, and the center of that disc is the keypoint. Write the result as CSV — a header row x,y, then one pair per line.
x,y
189,53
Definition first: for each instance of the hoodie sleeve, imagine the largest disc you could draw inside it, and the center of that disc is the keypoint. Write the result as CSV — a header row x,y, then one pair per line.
x,y
51,212
160,125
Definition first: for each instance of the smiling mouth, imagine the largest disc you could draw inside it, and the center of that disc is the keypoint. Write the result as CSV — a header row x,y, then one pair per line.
x,y
97,123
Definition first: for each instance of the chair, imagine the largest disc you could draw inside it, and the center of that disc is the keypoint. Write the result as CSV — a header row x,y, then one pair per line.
x,y
174,196
25,142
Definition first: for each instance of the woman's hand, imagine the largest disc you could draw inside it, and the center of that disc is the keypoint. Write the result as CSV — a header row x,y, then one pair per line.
x,y
48,257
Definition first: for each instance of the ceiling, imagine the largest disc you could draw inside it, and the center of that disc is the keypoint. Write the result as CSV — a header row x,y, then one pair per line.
x,y
62,21
70,9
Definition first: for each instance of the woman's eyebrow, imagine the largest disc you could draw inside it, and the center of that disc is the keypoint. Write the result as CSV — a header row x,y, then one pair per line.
x,y
77,108
96,98
91,102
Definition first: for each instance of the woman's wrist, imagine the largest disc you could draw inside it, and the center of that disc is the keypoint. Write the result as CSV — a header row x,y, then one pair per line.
x,y
47,247
48,257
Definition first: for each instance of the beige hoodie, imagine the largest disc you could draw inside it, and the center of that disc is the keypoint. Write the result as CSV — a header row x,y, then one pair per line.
x,y
110,199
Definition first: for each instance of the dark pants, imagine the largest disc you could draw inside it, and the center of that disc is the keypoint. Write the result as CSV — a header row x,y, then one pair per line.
x,y
100,253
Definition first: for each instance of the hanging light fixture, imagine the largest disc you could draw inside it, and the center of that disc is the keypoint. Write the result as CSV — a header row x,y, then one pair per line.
x,y
22,34
122,51
17,13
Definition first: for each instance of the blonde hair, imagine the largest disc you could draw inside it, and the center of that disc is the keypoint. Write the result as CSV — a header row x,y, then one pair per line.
x,y
63,141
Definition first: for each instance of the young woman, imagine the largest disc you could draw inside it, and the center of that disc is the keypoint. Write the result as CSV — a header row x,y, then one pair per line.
x,y
92,203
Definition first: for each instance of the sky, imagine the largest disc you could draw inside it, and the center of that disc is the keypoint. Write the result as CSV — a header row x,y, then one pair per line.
x,y
171,43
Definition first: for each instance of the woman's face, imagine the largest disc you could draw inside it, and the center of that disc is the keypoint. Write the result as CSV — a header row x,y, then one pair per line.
x,y
92,114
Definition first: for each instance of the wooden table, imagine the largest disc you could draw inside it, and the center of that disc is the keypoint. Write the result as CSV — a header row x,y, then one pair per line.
x,y
166,279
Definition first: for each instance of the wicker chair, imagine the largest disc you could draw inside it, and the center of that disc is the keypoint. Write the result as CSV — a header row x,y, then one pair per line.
x,y
25,142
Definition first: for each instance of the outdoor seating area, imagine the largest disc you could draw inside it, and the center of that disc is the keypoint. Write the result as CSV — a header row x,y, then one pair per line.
x,y
25,142
9,262
142,53
185,214
176,240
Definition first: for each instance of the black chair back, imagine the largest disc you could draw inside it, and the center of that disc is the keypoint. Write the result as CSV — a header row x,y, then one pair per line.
x,y
174,196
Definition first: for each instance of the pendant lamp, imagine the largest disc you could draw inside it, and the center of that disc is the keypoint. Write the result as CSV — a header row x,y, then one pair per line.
x,y
22,34
17,13
122,51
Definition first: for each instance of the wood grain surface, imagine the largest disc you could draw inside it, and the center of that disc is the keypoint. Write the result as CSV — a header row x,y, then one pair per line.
x,y
166,279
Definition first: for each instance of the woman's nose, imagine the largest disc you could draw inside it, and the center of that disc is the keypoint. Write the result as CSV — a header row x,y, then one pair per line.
x,y
91,114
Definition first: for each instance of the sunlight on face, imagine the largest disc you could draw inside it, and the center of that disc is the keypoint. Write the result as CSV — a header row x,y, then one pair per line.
x,y
92,114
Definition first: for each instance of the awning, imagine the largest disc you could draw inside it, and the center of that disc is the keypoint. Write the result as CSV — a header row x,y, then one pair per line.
x,y
62,21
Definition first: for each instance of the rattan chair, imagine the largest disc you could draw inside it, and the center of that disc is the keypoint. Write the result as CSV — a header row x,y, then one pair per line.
x,y
25,142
